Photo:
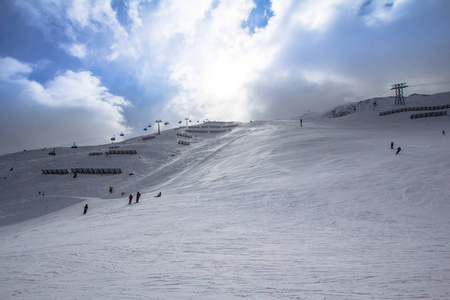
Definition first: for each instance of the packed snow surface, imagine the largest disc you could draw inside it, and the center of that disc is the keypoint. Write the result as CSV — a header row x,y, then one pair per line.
x,y
270,210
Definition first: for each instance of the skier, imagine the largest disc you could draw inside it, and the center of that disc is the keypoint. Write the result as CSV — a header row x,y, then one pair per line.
x,y
392,145
131,199
301,122
443,132
138,195
110,189
159,195
398,150
85,209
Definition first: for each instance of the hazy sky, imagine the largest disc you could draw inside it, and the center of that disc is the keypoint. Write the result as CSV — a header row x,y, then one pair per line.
x,y
82,71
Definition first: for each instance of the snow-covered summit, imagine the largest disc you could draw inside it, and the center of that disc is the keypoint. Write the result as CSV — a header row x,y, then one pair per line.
x,y
387,103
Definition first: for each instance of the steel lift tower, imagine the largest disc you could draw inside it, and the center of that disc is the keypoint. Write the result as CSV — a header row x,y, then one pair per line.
x,y
399,99
159,131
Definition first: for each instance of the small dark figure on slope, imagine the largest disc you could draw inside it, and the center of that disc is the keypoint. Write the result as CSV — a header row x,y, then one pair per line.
x,y
138,195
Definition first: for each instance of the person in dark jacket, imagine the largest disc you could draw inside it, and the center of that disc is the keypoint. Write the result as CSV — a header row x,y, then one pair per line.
x,y
392,145
138,195
85,209
398,150
159,195
131,199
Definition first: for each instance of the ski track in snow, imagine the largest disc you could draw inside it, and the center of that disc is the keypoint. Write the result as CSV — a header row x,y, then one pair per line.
x,y
268,211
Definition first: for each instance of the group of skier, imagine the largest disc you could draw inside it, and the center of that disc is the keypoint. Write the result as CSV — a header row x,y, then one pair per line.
x,y
130,198
398,148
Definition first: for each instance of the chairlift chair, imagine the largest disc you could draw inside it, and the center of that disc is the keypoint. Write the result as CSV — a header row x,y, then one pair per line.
x,y
74,145
121,134
113,138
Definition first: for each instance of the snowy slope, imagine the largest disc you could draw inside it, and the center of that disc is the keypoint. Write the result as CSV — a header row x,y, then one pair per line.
x,y
271,210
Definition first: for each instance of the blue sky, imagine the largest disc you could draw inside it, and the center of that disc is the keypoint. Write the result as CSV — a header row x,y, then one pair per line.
x,y
82,71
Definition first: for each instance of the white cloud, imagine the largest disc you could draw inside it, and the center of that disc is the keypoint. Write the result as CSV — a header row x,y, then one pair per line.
x,y
11,69
81,20
207,55
133,13
315,15
75,102
75,49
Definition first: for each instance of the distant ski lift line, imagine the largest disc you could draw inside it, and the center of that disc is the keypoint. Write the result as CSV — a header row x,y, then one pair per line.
x,y
413,85
441,82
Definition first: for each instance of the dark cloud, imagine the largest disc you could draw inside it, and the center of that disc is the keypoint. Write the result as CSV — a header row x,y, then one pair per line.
x,y
288,97
370,6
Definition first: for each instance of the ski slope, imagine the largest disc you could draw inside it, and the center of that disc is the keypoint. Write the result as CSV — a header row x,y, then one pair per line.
x,y
270,210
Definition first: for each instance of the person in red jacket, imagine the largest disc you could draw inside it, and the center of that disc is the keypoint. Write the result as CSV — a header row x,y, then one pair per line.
x,y
131,199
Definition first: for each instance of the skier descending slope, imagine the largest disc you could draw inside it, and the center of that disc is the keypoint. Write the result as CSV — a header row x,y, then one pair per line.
x,y
138,195
398,150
